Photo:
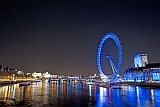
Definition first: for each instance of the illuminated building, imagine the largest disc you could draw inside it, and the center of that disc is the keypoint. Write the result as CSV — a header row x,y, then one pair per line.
x,y
19,72
142,70
36,74
140,60
140,74
53,76
46,75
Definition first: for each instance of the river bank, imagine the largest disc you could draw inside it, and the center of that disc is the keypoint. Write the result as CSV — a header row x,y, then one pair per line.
x,y
143,84
12,82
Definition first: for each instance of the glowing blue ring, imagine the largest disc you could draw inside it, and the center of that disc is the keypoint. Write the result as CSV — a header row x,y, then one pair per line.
x,y
119,47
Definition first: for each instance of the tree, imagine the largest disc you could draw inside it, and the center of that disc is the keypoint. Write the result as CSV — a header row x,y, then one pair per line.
x,y
0,67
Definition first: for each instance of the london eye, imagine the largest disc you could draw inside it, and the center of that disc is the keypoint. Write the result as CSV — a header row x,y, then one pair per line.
x,y
116,68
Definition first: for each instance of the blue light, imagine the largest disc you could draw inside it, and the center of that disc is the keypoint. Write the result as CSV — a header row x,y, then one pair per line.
x,y
119,47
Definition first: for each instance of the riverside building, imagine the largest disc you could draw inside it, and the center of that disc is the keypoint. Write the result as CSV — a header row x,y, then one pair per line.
x,y
142,70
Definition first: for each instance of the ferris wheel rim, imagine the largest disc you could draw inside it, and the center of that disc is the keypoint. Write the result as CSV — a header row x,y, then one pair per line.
x,y
119,48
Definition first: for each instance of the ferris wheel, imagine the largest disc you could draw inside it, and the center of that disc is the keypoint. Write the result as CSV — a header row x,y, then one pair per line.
x,y
116,68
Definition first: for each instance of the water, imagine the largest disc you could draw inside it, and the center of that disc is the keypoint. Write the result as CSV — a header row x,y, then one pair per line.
x,y
65,94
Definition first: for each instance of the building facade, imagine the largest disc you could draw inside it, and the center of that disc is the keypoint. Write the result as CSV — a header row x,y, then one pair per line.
x,y
142,70
141,74
140,60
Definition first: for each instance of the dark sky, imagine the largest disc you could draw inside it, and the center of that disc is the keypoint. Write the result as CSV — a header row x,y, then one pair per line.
x,y
62,36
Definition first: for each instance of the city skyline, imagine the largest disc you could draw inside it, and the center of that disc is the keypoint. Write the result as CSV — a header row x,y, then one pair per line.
x,y
62,37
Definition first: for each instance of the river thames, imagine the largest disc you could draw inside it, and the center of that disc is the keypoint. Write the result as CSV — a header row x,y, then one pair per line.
x,y
54,94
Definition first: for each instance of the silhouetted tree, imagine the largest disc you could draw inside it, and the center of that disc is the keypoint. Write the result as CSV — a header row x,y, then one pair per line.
x,y
7,68
0,67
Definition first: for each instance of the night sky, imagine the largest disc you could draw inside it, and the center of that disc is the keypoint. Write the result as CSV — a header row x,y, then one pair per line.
x,y
62,36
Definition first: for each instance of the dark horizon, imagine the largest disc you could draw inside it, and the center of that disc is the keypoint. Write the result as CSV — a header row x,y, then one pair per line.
x,y
62,37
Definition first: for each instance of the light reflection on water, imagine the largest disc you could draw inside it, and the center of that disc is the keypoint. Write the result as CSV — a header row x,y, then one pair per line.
x,y
77,94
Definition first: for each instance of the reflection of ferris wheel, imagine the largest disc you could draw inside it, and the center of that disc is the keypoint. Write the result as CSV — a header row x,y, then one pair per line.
x,y
119,47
